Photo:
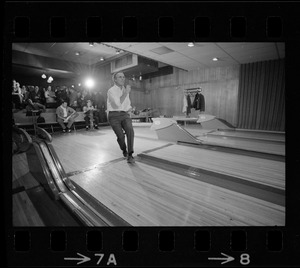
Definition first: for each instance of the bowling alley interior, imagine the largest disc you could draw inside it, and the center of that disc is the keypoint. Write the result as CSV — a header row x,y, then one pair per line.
x,y
209,135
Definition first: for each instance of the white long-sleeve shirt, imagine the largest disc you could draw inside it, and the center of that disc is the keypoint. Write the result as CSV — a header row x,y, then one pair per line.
x,y
113,100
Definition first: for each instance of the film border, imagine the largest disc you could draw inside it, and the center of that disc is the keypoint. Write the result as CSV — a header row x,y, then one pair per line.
x,y
38,15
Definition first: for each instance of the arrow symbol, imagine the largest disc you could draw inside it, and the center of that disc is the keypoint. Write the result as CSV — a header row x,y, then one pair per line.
x,y
227,259
82,259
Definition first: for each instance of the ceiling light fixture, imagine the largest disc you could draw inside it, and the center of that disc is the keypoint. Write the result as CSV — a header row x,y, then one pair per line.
x,y
44,76
215,59
102,59
191,44
77,53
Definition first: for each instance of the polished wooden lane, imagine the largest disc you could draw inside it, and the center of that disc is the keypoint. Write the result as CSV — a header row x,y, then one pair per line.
x,y
147,196
263,171
81,149
257,145
263,135
252,145
144,195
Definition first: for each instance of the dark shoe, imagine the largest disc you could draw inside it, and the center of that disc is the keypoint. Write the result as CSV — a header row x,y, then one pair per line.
x,y
69,130
125,154
64,130
130,159
96,127
86,128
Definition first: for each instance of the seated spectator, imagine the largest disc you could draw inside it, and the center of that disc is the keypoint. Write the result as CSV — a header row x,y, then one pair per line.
x,y
34,100
25,94
64,93
100,104
67,115
17,98
73,98
61,94
42,95
79,104
35,95
50,97
91,115
83,98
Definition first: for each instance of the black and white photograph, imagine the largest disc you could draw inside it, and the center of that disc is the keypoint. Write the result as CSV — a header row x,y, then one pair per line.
x,y
149,134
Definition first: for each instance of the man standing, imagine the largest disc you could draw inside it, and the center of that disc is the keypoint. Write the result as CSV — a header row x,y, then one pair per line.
x,y
65,114
118,106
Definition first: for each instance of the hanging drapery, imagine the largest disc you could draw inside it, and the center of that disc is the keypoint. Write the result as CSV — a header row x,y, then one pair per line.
x,y
261,100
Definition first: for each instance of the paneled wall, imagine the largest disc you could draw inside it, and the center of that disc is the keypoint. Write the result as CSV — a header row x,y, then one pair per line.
x,y
165,93
104,82
219,88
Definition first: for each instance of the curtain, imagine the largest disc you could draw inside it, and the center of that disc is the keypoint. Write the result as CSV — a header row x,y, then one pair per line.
x,y
261,98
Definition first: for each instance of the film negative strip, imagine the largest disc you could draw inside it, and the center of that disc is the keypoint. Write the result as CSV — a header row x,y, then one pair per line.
x,y
132,246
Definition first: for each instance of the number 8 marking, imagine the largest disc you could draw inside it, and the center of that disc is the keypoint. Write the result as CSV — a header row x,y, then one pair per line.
x,y
245,259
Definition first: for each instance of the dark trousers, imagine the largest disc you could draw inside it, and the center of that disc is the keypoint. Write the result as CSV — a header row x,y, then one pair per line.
x,y
120,121
87,120
69,123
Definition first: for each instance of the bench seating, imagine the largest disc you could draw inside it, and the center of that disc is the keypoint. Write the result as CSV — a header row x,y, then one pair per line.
x,y
21,120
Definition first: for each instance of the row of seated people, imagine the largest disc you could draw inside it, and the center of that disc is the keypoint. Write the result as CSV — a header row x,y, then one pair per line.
x,y
32,97
66,116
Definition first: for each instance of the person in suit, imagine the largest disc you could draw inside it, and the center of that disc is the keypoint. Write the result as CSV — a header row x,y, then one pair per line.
x,y
65,114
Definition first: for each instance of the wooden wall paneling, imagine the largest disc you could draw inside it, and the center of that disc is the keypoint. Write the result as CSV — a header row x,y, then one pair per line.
x,y
165,93
220,89
138,99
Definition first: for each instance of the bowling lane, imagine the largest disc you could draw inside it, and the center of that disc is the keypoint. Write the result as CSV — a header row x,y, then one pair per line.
x,y
263,171
82,149
231,141
260,135
251,145
144,195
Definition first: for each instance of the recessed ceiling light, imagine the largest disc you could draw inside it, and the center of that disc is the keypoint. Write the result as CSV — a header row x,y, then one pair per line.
x,y
191,44
215,59
102,59
77,53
